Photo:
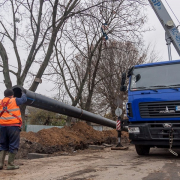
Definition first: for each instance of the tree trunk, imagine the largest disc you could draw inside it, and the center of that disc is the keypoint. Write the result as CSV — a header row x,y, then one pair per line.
x,y
3,54
113,113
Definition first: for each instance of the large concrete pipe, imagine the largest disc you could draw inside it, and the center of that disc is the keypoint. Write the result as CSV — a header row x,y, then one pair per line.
x,y
43,102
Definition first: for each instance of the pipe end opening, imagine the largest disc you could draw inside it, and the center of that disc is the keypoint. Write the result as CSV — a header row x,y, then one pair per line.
x,y
17,91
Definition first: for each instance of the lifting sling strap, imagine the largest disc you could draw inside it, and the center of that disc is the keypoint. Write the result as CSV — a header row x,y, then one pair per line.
x,y
4,105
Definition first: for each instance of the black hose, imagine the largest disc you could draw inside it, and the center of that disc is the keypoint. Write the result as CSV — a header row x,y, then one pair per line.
x,y
43,102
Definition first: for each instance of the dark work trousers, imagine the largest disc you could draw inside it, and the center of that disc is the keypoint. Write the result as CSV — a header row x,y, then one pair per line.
x,y
9,138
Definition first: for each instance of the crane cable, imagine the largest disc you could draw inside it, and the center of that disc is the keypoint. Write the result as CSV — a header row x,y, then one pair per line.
x,y
173,13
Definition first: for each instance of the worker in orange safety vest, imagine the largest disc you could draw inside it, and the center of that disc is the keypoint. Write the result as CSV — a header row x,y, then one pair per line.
x,y
10,127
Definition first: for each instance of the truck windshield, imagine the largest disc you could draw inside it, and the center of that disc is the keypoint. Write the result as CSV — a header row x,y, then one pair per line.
x,y
156,77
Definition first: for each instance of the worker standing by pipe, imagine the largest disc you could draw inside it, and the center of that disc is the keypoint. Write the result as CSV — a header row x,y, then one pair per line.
x,y
10,127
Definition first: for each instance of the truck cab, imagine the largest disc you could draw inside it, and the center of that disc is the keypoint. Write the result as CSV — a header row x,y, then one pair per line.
x,y
153,107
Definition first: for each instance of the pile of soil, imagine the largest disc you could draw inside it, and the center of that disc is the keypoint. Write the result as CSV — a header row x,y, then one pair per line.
x,y
53,140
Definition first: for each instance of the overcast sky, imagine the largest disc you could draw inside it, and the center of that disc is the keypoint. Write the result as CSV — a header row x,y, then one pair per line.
x,y
156,37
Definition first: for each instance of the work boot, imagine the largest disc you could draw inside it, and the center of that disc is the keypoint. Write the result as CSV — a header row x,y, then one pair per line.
x,y
2,158
11,165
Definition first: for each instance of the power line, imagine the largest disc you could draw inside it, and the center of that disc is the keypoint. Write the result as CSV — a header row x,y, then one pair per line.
x,y
173,12
49,80
13,66
33,75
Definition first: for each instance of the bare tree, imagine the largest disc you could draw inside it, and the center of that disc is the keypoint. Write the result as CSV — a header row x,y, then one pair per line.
x,y
40,23
89,33
118,58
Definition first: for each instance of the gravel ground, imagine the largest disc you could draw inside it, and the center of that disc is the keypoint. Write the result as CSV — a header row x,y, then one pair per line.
x,y
104,164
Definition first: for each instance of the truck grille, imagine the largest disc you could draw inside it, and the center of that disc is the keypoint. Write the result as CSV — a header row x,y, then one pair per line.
x,y
159,109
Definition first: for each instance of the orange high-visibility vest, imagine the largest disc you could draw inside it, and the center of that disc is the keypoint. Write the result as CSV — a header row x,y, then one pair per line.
x,y
13,116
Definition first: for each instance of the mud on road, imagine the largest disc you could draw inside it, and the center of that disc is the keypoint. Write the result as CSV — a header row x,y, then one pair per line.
x,y
104,164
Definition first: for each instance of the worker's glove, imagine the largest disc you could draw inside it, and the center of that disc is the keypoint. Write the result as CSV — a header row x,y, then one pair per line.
x,y
24,91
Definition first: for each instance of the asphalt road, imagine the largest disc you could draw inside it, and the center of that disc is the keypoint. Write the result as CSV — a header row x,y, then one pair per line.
x,y
104,164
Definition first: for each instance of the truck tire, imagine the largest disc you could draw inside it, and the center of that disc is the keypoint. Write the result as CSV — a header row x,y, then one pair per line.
x,y
142,149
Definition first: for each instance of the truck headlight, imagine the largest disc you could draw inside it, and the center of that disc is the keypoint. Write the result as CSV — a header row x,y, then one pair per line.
x,y
133,130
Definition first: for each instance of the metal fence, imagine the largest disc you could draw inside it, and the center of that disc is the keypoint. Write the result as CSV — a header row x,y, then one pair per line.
x,y
36,128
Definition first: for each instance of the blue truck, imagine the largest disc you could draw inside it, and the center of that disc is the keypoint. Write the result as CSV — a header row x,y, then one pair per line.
x,y
153,107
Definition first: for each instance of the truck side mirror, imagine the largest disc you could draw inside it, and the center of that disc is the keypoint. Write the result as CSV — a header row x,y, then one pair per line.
x,y
123,88
123,80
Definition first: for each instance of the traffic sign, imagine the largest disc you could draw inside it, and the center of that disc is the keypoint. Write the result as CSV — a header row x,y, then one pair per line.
x,y
118,111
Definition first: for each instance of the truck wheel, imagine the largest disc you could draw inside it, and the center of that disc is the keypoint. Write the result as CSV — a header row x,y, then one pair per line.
x,y
142,149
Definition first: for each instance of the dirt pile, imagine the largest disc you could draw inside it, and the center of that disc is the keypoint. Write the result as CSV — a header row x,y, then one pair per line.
x,y
52,140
